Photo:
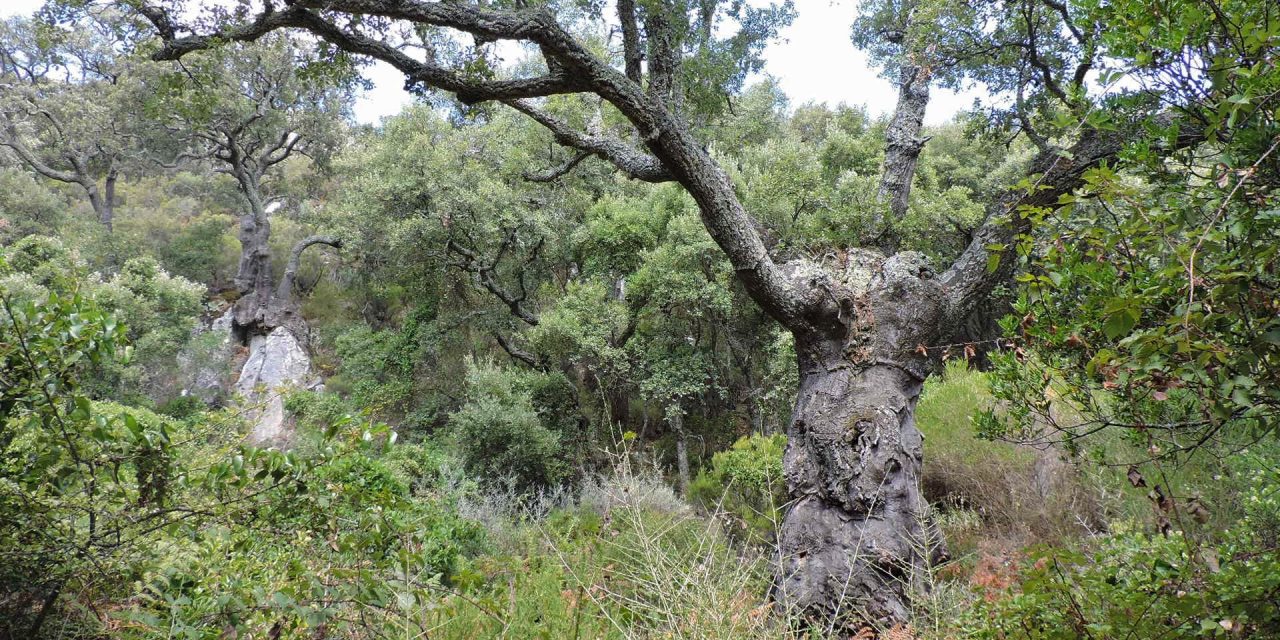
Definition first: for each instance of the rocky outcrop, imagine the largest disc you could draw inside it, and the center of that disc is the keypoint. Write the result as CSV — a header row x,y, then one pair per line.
x,y
206,364
277,363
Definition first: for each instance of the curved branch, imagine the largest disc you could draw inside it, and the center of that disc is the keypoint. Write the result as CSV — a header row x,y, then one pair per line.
x,y
285,290
484,274
516,352
969,279
13,140
640,166
553,173
468,90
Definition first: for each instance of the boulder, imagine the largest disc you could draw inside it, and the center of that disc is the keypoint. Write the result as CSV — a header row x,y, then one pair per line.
x,y
206,363
277,363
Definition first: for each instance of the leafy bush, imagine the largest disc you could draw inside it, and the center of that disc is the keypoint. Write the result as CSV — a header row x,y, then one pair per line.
x,y
203,250
746,482
1136,585
352,534
26,206
158,310
500,434
81,483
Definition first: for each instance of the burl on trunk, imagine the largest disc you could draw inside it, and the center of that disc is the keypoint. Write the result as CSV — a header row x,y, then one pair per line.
x,y
857,538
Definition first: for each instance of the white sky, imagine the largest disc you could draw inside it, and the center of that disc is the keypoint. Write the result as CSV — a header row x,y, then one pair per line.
x,y
813,61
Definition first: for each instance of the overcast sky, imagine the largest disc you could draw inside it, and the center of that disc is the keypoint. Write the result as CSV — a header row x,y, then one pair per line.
x,y
813,61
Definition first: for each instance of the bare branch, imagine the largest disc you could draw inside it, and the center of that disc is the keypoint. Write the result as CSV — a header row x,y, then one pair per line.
x,y
285,290
553,173
640,166
484,274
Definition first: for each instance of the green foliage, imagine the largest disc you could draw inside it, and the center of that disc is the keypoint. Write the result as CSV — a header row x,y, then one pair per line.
x,y
160,311
746,482
104,502
583,327
199,251
1131,584
81,483
352,534
27,207
1151,309
501,435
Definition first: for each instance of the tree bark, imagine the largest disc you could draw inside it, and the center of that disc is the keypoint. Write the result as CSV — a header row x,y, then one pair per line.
x,y
676,419
631,53
103,202
282,310
903,144
854,544
108,214
254,280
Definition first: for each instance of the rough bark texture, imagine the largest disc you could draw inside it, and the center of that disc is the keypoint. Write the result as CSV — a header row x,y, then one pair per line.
x,y
676,420
253,274
903,144
854,541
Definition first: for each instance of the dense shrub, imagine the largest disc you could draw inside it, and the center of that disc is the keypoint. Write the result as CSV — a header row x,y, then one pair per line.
x,y
746,483
500,433
1132,584
158,310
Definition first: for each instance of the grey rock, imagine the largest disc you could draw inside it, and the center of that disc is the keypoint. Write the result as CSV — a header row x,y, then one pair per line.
x,y
277,363
206,362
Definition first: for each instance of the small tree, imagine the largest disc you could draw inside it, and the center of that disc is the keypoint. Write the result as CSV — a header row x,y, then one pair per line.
x,y
249,110
70,102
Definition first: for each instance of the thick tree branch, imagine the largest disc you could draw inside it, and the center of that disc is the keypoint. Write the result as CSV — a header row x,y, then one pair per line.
x,y
640,166
663,131
969,279
468,90
663,61
285,290
631,53
516,352
903,144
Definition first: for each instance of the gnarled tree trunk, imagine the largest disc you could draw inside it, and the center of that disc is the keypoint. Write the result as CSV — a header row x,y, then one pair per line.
x,y
903,144
104,202
254,280
854,542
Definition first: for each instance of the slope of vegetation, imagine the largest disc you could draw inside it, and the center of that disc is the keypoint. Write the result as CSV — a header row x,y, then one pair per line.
x,y
532,390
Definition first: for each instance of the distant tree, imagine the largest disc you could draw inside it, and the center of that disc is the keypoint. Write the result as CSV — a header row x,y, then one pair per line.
x,y
248,110
71,102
